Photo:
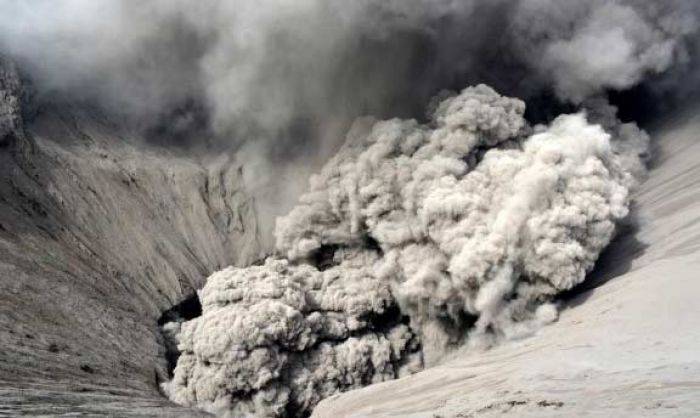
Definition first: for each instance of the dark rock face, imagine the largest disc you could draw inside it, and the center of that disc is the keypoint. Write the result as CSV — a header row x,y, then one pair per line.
x,y
10,102
99,235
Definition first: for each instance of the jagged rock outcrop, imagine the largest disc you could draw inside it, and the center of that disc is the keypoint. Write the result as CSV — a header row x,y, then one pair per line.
x,y
99,234
10,102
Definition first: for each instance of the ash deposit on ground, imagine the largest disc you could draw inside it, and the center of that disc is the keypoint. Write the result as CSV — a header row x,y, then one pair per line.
x,y
247,209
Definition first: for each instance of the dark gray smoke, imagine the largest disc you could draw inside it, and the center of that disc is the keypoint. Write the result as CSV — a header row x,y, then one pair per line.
x,y
261,69
281,81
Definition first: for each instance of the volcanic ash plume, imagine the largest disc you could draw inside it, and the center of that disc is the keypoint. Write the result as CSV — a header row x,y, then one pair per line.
x,y
462,229
279,337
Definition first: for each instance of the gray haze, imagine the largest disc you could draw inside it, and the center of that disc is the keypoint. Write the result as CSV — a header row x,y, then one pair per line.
x,y
258,62
282,80
260,68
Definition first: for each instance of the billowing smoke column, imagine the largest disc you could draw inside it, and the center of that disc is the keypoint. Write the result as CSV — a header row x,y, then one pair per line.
x,y
280,81
412,239
472,217
276,339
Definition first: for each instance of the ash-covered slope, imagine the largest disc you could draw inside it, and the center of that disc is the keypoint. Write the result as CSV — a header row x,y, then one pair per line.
x,y
99,234
627,347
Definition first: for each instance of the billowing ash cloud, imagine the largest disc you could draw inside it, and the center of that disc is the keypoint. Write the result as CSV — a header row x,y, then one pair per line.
x,y
583,47
282,80
279,338
473,215
469,224
262,69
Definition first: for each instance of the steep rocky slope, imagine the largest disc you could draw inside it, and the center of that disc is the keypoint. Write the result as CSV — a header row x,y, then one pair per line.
x,y
626,346
99,234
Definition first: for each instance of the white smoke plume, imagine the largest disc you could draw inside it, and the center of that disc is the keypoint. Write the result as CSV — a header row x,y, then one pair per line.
x,y
469,224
